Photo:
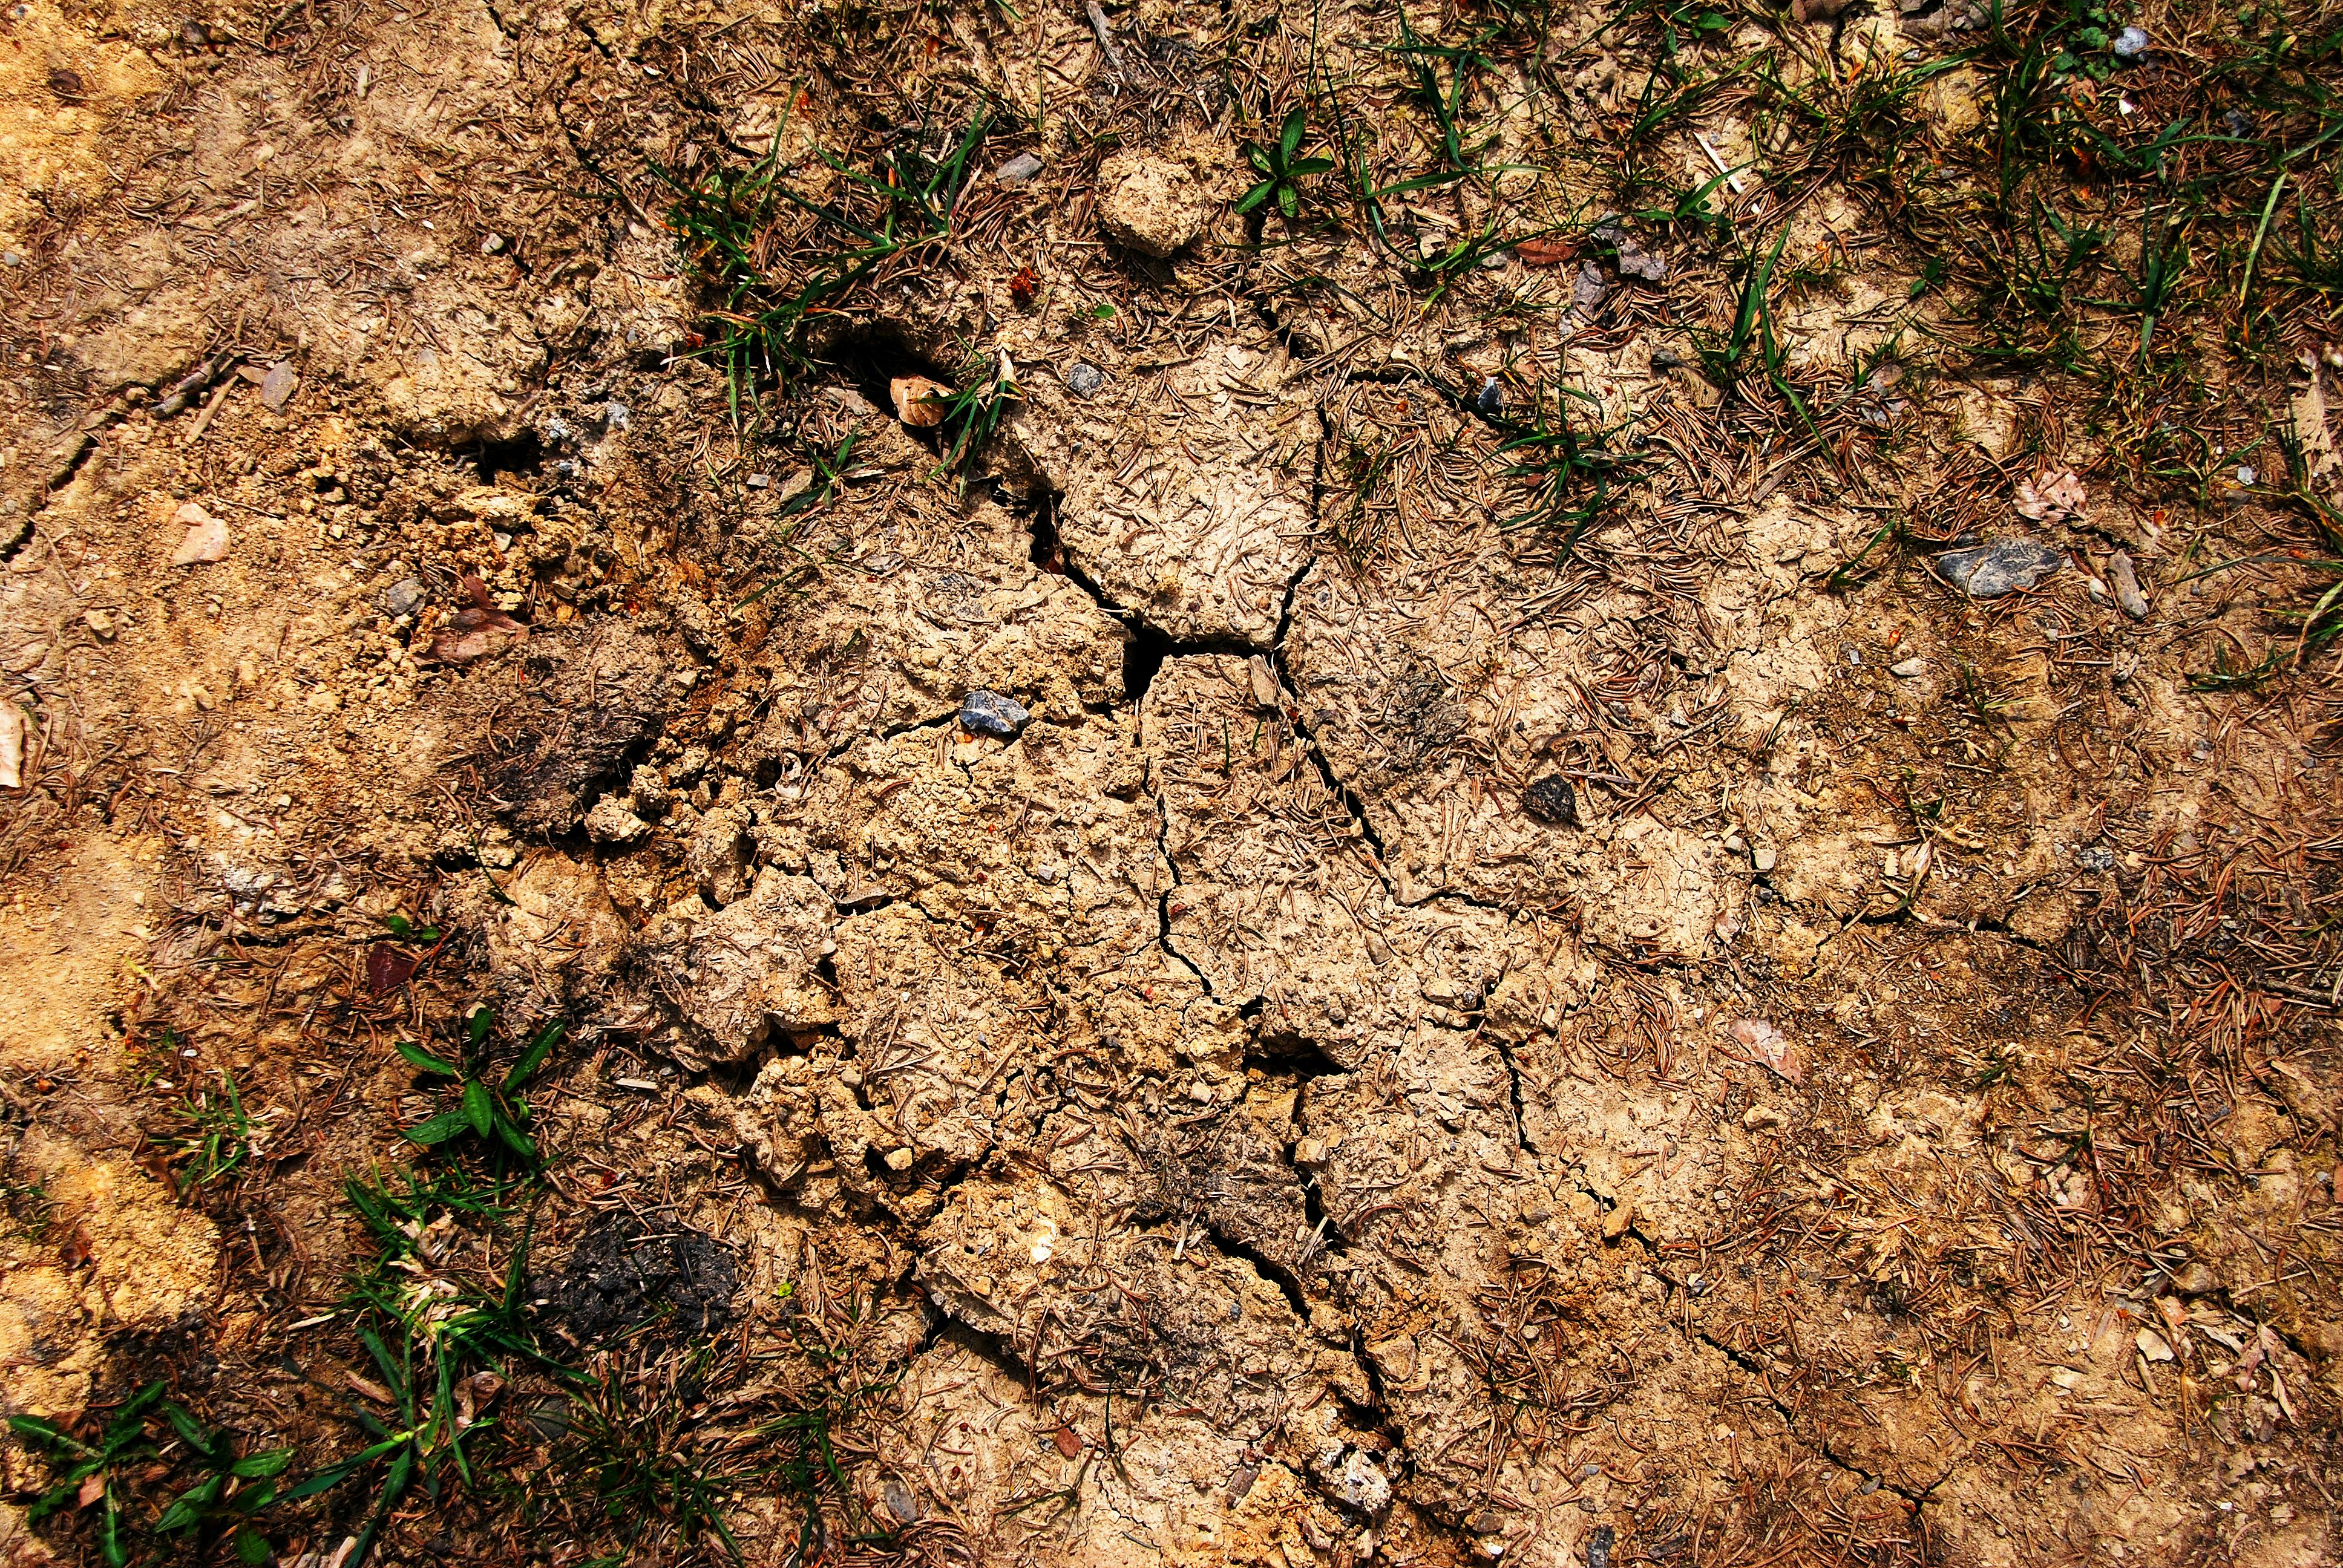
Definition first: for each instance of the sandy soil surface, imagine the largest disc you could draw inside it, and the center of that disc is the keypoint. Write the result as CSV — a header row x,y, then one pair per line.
x,y
1169,784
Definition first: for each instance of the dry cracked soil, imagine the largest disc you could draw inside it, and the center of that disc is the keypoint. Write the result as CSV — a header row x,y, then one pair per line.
x,y
1617,890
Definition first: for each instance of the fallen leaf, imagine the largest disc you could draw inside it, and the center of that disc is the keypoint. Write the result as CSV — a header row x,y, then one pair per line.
x,y
1768,1047
387,969
372,1390
2152,1346
481,629
92,1490
1544,252
473,1395
207,538
919,401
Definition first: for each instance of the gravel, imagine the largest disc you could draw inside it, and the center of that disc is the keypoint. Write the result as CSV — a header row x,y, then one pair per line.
x,y
1084,380
1017,170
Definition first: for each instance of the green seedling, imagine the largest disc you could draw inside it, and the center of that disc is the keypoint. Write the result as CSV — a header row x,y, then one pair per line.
x,y
407,930
234,1488
93,1473
491,1109
1282,168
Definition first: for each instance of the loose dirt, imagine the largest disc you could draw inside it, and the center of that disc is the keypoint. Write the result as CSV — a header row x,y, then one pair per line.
x,y
1458,1029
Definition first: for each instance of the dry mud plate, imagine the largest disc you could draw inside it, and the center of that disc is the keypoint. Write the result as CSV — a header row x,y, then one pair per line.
x,y
1111,784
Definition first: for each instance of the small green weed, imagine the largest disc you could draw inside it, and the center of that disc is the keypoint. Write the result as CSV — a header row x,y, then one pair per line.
x,y
1282,169
1572,470
234,1489
488,1106
94,1472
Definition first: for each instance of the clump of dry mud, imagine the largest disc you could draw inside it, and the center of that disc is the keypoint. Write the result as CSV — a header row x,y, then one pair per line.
x,y
1711,1044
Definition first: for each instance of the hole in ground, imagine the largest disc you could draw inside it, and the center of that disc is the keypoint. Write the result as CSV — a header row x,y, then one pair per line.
x,y
868,358
523,455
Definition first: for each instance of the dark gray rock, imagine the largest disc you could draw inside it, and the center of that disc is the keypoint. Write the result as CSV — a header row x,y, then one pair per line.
x,y
990,713
1084,380
2096,858
1551,800
1490,400
1598,1546
1989,571
404,597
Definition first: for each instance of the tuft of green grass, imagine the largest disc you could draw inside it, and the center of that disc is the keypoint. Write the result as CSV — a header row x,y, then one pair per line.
x,y
440,1342
211,1136
972,414
645,1456
1572,470
771,260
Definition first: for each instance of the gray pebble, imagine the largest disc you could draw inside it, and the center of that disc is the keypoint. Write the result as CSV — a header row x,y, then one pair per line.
x,y
1588,290
1017,170
403,598
1989,571
617,417
1490,400
990,713
2096,858
902,1502
1598,1546
2130,44
1908,668
1084,380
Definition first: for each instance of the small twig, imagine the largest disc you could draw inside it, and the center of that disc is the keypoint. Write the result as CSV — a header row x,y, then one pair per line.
x,y
1105,38
203,420
1732,178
